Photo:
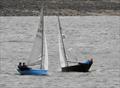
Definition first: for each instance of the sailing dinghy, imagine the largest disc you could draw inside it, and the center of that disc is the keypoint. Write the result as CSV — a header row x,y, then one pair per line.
x,y
64,62
39,51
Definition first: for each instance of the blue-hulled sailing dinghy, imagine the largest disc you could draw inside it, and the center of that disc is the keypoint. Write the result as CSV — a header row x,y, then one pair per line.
x,y
39,51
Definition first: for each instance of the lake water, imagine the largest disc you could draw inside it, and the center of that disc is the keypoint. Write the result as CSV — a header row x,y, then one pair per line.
x,y
85,37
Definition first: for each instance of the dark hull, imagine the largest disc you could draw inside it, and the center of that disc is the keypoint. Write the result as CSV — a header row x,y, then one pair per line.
x,y
77,68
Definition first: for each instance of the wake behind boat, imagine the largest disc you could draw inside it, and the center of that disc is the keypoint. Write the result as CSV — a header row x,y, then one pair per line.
x,y
39,51
80,66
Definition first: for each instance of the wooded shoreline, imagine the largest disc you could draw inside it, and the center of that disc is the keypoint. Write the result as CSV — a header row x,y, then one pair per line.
x,y
66,7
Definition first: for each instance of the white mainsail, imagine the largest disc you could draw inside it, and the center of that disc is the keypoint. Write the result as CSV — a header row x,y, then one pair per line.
x,y
62,54
39,53
45,65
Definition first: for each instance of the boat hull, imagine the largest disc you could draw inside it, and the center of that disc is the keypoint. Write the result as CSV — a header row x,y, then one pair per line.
x,y
33,72
77,68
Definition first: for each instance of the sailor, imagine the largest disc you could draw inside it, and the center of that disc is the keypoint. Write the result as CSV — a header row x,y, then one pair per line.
x,y
20,66
89,61
25,67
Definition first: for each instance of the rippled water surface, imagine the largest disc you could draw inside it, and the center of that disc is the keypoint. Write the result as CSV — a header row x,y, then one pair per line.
x,y
85,37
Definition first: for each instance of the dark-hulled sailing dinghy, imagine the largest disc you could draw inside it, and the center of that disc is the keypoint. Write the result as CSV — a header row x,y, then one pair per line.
x,y
79,67
39,51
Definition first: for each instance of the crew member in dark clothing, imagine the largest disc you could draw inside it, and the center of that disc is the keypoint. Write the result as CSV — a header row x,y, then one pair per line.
x,y
87,61
20,66
23,67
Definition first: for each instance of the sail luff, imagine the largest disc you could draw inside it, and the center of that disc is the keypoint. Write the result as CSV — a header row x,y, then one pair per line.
x,y
62,52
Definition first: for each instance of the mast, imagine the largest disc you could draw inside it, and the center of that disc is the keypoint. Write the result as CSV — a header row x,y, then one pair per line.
x,y
62,45
42,30
44,50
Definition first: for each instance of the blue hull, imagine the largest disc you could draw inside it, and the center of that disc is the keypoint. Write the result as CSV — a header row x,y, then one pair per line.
x,y
33,72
